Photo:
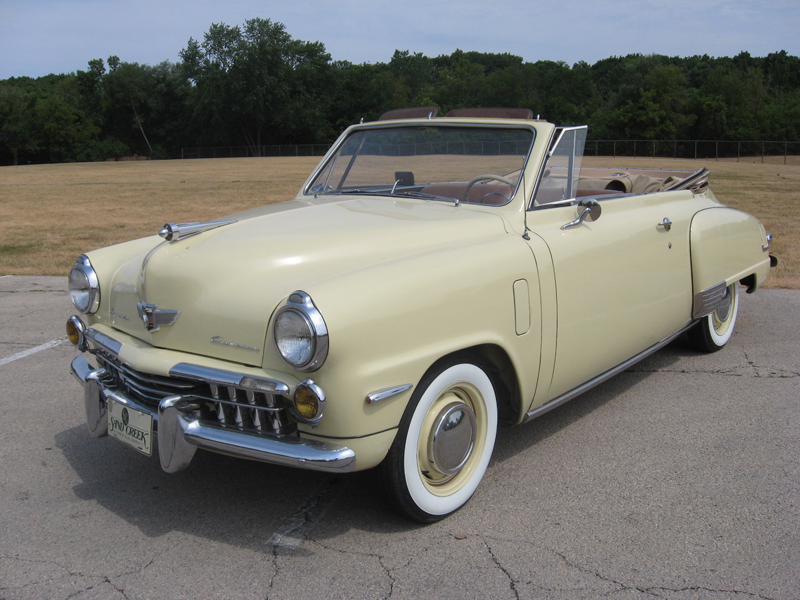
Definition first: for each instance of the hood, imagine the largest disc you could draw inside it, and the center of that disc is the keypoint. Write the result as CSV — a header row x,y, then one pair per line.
x,y
227,282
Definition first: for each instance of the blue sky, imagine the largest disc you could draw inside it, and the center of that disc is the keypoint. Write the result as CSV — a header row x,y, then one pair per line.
x,y
38,37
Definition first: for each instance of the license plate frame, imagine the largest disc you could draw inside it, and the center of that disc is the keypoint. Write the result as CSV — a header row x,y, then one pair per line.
x,y
131,426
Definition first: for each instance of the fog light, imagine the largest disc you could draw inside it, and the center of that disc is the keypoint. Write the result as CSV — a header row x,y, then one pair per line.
x,y
309,402
76,332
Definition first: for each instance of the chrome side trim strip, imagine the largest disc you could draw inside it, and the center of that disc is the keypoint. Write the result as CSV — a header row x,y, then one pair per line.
x,y
222,377
707,301
381,395
105,342
556,402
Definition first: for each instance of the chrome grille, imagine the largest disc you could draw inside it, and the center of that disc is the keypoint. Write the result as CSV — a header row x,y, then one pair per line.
x,y
225,406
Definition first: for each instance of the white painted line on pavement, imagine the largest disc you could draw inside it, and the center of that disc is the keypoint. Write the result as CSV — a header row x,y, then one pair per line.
x,y
24,353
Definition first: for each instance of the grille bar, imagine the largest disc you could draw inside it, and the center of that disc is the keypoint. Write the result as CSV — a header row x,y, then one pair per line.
x,y
156,380
227,406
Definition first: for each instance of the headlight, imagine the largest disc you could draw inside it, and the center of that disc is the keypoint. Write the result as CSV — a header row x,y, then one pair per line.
x,y
301,335
84,288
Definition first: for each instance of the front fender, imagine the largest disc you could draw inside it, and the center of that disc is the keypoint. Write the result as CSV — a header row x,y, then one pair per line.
x,y
389,323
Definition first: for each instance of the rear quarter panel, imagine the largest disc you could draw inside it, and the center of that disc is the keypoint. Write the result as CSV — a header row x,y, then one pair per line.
x,y
727,245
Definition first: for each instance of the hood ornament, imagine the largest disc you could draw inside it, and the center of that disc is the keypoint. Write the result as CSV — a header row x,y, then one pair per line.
x,y
154,317
173,232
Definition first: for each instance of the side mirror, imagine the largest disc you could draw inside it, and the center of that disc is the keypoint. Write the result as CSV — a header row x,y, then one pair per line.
x,y
591,212
593,208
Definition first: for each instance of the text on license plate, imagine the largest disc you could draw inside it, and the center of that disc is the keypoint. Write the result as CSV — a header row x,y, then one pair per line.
x,y
131,426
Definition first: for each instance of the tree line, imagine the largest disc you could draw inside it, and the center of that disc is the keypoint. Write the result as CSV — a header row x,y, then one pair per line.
x,y
254,85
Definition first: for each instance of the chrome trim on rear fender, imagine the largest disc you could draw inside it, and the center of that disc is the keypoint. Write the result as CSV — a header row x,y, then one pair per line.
x,y
707,301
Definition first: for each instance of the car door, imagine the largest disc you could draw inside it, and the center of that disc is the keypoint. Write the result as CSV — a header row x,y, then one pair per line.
x,y
622,284
622,281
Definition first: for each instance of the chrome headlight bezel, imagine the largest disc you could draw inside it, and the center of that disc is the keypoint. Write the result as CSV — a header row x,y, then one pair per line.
x,y
84,286
300,306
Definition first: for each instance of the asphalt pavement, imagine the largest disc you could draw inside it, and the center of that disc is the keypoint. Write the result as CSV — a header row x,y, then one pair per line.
x,y
677,479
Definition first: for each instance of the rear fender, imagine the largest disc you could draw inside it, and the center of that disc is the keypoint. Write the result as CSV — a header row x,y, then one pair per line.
x,y
727,245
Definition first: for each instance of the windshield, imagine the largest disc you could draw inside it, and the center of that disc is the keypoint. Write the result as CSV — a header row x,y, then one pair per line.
x,y
464,163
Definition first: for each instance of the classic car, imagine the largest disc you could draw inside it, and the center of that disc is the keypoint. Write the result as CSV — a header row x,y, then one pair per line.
x,y
434,277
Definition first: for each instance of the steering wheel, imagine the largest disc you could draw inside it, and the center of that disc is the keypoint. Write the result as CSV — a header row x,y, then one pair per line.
x,y
487,176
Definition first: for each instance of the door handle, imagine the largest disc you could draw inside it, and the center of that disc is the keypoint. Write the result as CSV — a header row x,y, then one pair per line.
x,y
666,224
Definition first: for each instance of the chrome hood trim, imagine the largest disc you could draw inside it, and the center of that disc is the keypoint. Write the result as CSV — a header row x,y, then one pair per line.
x,y
173,232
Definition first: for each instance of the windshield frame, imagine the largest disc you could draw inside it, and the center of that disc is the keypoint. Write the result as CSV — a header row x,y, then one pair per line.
x,y
333,155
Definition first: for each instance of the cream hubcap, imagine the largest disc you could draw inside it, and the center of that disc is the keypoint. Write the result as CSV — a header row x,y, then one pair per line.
x,y
451,439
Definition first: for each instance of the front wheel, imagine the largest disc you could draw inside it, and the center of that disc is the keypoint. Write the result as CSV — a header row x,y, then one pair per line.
x,y
444,443
713,331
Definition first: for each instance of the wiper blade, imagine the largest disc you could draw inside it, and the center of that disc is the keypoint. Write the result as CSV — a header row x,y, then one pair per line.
x,y
425,196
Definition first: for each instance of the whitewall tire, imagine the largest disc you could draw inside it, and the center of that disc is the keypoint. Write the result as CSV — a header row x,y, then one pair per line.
x,y
444,443
713,331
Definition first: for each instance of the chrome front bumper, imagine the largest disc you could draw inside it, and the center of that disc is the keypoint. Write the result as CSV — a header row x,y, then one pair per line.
x,y
179,434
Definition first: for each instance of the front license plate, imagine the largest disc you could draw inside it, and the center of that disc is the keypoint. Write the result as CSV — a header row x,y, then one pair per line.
x,y
131,426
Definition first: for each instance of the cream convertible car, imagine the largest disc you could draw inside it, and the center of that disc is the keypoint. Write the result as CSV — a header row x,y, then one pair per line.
x,y
433,278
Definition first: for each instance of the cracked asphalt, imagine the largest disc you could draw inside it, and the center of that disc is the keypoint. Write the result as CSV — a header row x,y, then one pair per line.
x,y
677,479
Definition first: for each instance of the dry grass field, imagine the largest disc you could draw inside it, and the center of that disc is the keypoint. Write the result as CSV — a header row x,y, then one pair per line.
x,y
49,214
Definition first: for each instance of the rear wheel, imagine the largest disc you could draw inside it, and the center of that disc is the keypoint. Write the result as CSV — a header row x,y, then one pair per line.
x,y
444,443
713,331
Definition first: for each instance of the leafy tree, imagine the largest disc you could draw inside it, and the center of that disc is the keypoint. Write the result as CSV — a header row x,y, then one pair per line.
x,y
361,92
64,129
257,79
460,83
127,91
16,129
254,85
658,110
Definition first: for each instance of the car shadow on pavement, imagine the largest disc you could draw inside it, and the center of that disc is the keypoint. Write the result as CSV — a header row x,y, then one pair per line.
x,y
510,441
224,499
245,503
